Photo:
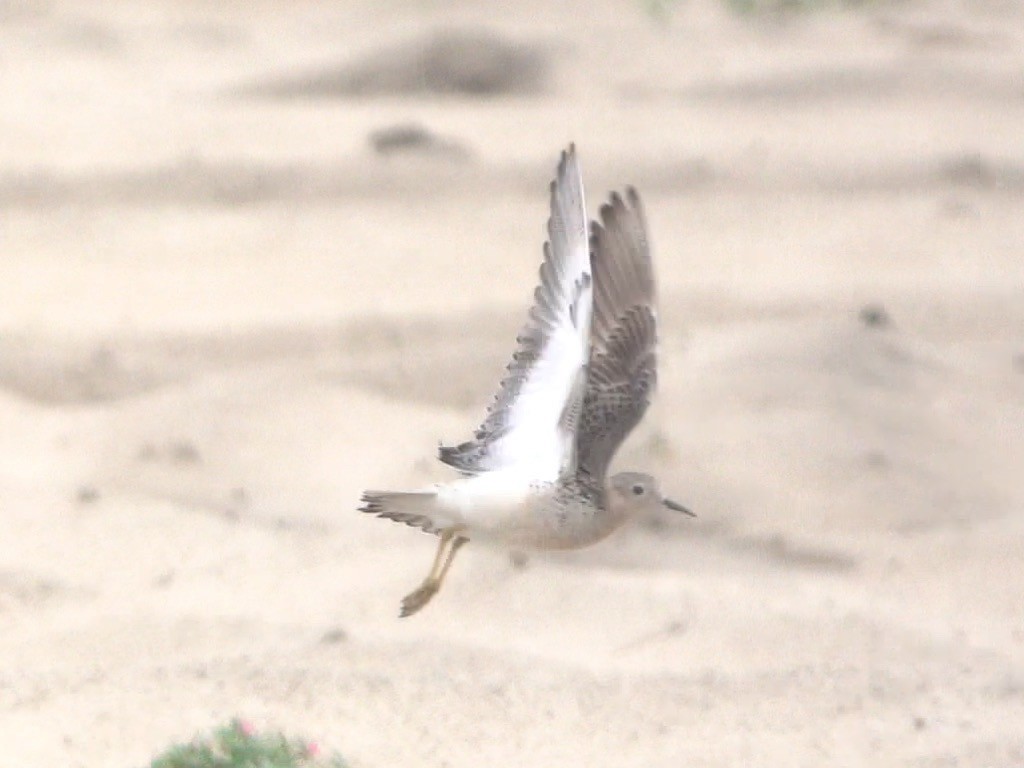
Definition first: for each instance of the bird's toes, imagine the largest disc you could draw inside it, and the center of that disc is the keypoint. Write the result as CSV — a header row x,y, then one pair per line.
x,y
418,598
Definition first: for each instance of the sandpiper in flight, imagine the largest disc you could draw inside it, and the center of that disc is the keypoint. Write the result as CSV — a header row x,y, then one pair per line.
x,y
582,375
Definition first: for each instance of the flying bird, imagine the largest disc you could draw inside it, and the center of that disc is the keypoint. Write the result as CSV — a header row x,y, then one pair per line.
x,y
535,474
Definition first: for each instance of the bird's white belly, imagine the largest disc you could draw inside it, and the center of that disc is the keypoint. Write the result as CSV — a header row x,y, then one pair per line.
x,y
521,514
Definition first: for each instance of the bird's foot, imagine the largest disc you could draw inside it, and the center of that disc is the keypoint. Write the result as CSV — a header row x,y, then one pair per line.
x,y
418,598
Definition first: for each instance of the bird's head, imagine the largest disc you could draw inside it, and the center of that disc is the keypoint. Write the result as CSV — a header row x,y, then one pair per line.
x,y
638,492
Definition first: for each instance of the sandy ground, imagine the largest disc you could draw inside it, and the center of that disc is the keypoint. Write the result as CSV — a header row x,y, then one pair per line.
x,y
223,313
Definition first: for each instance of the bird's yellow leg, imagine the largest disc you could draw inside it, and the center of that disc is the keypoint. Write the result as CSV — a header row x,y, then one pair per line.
x,y
415,600
459,541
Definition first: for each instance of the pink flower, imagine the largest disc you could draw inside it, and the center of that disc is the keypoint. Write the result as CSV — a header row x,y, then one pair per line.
x,y
245,727
312,749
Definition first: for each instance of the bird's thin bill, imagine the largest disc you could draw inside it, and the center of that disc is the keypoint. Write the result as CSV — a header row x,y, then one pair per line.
x,y
677,507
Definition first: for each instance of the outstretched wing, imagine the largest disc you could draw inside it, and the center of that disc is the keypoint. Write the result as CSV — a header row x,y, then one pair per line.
x,y
623,363
532,422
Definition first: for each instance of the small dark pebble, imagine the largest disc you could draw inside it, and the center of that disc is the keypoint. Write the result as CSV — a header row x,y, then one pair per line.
x,y
87,494
920,723
410,137
874,316
399,137
333,636
184,452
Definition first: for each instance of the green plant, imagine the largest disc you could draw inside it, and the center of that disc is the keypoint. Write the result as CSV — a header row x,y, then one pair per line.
x,y
660,10
239,745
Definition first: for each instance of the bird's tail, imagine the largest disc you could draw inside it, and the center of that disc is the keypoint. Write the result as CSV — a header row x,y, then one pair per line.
x,y
415,508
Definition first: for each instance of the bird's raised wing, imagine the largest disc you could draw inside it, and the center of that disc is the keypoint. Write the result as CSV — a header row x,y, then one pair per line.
x,y
532,422
623,364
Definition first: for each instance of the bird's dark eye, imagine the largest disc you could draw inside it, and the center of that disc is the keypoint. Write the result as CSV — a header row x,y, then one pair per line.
x,y
638,490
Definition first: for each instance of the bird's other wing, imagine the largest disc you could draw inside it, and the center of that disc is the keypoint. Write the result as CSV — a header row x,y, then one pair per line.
x,y
623,362
532,422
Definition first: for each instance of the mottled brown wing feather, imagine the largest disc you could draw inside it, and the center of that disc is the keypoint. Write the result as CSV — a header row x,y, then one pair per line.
x,y
623,367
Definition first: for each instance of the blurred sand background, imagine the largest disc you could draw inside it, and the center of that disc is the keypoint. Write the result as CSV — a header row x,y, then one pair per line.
x,y
256,257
